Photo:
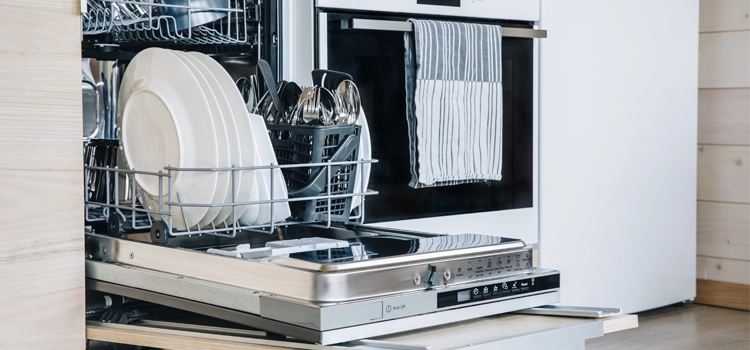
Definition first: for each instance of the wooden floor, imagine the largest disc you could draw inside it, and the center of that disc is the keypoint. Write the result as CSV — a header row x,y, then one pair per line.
x,y
682,327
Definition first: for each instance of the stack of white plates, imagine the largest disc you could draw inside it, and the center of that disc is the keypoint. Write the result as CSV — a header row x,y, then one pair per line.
x,y
182,109
362,179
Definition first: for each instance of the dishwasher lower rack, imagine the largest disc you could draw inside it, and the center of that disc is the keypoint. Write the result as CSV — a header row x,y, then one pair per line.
x,y
124,208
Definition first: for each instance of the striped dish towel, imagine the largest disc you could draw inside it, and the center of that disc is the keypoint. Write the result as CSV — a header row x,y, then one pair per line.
x,y
454,102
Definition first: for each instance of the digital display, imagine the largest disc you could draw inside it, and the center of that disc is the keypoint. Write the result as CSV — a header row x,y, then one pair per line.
x,y
508,288
454,3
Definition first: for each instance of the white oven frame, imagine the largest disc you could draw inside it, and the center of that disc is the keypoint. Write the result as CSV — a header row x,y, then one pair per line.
x,y
298,59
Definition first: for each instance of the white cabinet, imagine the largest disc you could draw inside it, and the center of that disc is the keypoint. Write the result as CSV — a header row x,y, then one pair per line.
x,y
618,124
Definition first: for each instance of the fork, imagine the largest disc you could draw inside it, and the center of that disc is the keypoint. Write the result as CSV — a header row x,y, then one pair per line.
x,y
311,110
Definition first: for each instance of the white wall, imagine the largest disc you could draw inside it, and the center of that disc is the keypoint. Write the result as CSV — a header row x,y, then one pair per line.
x,y
618,119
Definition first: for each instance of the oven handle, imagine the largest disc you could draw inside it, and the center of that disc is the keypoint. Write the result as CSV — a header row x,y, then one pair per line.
x,y
399,26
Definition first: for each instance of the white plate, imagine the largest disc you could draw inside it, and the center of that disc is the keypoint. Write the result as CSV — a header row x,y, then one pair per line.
x,y
365,153
232,154
247,191
265,149
164,122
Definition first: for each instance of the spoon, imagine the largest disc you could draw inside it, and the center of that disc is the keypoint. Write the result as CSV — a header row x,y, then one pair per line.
x,y
248,87
289,95
351,101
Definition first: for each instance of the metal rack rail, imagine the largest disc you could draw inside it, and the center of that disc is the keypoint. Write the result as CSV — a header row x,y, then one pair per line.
x,y
161,21
136,214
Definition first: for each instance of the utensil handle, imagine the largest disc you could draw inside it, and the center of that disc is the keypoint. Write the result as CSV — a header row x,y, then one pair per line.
x,y
318,183
329,79
265,71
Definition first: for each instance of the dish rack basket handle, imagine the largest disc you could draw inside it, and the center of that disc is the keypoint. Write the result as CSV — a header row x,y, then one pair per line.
x,y
265,72
318,184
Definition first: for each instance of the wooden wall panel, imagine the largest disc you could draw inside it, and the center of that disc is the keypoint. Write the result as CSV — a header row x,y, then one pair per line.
x,y
725,270
724,230
724,15
723,60
723,221
724,173
41,177
724,116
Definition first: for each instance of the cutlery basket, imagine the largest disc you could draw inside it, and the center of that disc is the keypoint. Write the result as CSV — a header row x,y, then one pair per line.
x,y
305,144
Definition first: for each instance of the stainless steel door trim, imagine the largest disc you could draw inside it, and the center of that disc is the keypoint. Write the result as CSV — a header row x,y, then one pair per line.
x,y
398,26
322,44
401,260
205,309
434,319
267,276
333,336
235,298
344,315
297,41
318,316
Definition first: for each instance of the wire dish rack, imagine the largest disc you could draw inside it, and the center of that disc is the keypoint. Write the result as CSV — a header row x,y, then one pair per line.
x,y
134,214
185,22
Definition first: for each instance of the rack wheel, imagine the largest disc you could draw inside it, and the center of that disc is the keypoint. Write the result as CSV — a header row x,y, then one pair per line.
x,y
115,225
159,232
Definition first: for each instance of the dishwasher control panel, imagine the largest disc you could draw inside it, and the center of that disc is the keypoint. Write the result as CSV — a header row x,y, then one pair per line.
x,y
492,266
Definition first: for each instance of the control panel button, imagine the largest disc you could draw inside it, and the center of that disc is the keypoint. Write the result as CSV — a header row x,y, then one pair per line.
x,y
476,294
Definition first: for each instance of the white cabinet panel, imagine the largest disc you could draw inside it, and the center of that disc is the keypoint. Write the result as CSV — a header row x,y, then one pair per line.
x,y
618,120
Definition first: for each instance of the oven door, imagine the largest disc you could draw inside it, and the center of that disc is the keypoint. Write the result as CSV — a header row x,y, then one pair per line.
x,y
370,47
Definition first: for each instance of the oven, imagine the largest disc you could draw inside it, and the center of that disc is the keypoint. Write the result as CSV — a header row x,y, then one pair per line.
x,y
366,40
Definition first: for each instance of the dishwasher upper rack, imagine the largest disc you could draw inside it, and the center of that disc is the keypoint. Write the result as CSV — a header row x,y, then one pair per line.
x,y
141,21
121,216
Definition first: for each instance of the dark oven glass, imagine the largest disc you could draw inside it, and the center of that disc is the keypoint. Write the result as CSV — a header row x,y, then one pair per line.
x,y
375,59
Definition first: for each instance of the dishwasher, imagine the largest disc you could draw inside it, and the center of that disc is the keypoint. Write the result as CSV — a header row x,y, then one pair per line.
x,y
304,264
